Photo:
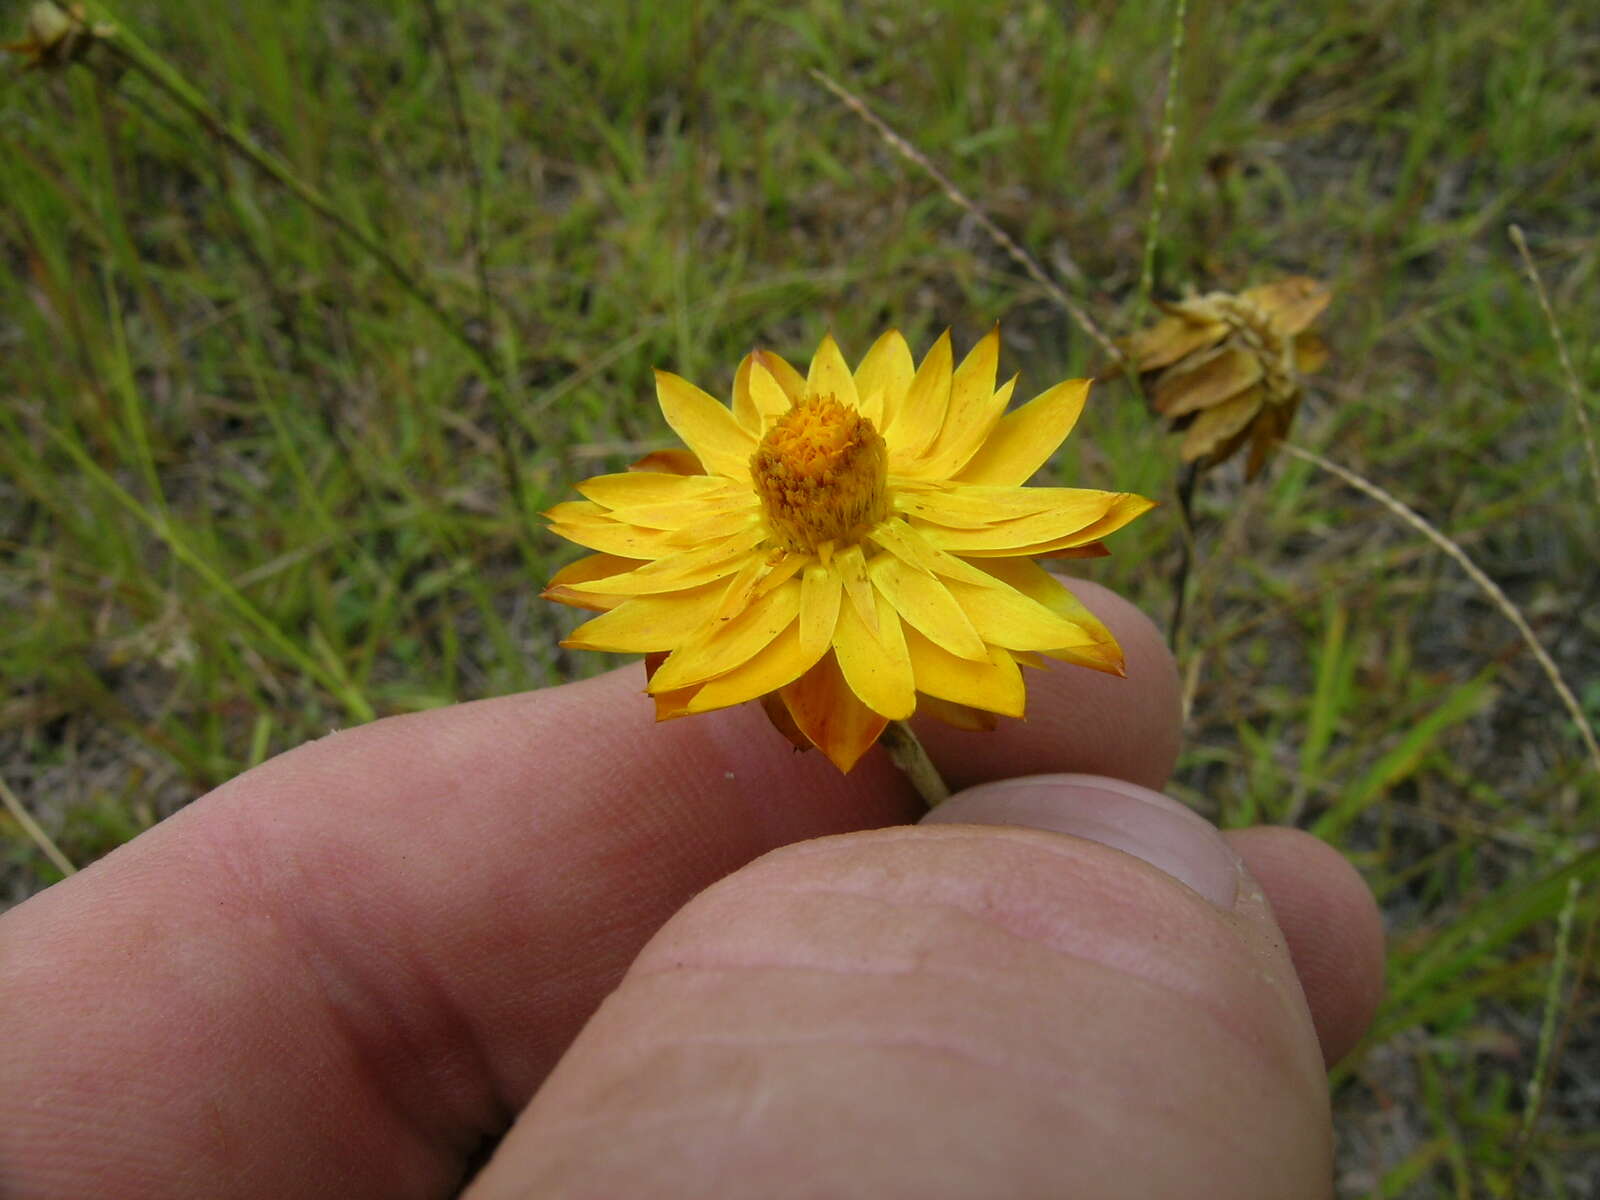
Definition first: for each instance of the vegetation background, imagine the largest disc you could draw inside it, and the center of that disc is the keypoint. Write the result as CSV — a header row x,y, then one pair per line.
x,y
252,488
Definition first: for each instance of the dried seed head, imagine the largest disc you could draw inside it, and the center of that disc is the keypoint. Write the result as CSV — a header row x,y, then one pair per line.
x,y
55,34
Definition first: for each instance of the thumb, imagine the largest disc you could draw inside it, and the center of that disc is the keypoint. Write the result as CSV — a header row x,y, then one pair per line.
x,y
957,1009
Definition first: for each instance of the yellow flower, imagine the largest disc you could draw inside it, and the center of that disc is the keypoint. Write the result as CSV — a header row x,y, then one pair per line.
x,y
1231,366
55,35
846,546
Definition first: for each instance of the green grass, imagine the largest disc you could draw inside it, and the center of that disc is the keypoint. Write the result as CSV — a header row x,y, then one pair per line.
x,y
251,491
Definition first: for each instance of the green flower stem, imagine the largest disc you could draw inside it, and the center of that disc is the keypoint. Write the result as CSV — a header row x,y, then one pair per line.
x,y
914,763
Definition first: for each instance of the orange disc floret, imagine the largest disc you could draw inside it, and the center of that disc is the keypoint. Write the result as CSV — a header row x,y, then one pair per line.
x,y
821,474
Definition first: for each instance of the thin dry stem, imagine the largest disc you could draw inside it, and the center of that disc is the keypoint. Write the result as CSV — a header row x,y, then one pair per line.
x,y
961,200
1489,587
1169,131
906,750
1574,388
37,835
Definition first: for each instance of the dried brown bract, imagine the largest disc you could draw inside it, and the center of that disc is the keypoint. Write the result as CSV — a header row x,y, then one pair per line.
x,y
55,35
1228,368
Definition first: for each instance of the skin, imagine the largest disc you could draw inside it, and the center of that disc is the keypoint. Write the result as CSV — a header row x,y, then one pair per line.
x,y
350,970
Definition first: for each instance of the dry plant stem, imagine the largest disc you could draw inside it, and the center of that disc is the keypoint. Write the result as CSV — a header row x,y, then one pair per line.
x,y
1574,388
477,233
914,763
40,838
1489,587
1169,131
1186,552
961,200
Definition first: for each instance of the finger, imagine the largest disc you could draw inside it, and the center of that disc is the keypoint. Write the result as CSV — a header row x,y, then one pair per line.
x,y
339,972
1331,924
953,1010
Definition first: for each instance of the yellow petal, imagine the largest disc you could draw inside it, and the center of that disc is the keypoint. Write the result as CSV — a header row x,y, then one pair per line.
x,y
685,568
927,605
917,422
671,705
1100,652
1188,388
779,571
876,667
971,408
1023,440
649,487
744,408
790,380
1006,618
1124,508
779,664
830,375
734,507
647,623
905,543
730,643
1079,510
831,715
592,567
820,595
761,574
740,591
883,378
571,585
986,507
851,565
590,525
767,392
965,435
993,683
706,427
973,380
1096,656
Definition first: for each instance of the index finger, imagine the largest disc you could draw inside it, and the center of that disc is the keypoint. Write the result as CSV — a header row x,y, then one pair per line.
x,y
341,971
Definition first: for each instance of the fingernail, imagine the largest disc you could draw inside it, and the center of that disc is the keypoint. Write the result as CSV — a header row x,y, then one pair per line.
x,y
1121,815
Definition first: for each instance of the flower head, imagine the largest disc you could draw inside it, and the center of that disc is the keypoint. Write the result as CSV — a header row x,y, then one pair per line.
x,y
55,35
1231,366
846,546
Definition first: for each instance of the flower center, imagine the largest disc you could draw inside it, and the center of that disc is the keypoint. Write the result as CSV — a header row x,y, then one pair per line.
x,y
821,473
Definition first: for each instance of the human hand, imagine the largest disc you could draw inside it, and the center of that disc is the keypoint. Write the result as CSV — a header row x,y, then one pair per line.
x,y
347,971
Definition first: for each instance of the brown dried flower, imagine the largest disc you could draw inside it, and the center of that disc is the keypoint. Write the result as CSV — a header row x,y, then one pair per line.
x,y
55,35
1230,366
